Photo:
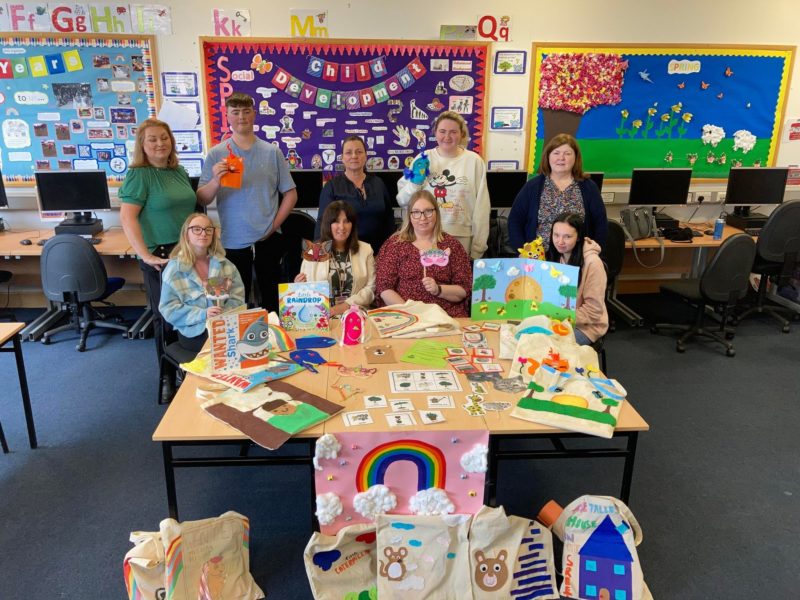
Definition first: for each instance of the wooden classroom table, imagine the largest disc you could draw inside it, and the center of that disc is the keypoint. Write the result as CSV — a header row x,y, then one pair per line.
x,y
186,424
11,331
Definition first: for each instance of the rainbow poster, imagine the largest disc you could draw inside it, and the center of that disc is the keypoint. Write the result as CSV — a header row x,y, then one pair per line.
x,y
407,463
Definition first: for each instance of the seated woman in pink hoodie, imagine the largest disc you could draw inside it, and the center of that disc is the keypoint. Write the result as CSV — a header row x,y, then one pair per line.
x,y
570,246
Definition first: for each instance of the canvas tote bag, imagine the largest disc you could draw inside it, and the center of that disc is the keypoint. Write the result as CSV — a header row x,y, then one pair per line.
x,y
343,566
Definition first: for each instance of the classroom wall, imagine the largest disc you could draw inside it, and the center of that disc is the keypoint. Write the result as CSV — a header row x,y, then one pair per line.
x,y
625,21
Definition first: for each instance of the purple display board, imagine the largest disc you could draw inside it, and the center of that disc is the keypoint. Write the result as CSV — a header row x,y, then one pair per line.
x,y
311,95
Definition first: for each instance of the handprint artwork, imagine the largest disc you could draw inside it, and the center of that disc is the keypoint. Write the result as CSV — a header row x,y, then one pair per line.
x,y
403,136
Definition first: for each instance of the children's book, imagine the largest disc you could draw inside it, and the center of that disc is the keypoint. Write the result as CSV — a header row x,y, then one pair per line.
x,y
239,340
304,305
515,288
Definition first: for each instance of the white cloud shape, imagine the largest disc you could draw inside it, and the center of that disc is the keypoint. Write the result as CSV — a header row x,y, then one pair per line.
x,y
433,501
513,272
270,130
376,500
327,447
480,264
266,92
290,107
544,266
329,506
476,460
564,280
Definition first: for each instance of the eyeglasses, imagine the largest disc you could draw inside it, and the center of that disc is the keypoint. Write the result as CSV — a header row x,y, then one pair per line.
x,y
197,230
418,214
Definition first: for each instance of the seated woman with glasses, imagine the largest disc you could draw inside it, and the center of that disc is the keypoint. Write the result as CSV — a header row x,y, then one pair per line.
x,y
198,282
350,266
443,280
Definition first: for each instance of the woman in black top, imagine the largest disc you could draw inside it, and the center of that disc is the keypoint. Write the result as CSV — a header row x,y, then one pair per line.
x,y
364,192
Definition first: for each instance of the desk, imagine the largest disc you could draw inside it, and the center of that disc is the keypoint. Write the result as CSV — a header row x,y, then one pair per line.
x,y
185,423
11,331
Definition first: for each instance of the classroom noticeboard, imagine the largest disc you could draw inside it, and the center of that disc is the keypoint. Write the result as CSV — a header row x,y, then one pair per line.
x,y
311,95
73,102
708,108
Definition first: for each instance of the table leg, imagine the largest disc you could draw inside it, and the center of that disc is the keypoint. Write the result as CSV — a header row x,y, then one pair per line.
x,y
169,475
698,262
490,483
627,475
23,386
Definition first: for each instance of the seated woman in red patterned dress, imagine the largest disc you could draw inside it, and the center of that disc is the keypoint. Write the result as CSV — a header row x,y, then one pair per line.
x,y
400,275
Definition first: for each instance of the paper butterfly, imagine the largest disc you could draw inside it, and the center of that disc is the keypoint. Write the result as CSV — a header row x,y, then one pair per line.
x,y
261,65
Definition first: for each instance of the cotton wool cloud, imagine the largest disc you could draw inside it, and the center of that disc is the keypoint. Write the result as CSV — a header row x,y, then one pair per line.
x,y
376,500
329,506
327,447
476,460
433,501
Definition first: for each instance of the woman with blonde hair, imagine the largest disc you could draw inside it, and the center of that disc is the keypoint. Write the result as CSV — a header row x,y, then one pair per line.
x,y
198,282
401,275
457,179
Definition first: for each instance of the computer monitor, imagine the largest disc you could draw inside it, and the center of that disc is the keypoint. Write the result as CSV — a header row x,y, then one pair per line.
x,y
597,177
659,187
504,186
390,179
309,187
756,186
77,192
3,197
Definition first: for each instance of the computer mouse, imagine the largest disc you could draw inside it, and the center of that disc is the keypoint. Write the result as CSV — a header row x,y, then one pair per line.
x,y
41,242
709,232
696,233
25,242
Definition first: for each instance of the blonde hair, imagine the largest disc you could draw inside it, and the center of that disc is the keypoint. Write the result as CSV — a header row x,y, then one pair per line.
x,y
139,157
406,232
450,115
183,251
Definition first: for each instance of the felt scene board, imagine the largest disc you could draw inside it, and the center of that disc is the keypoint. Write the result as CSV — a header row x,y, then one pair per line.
x,y
515,288
411,472
73,102
310,95
706,107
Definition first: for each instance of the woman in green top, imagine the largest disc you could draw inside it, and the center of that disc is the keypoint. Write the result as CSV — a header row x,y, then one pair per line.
x,y
155,199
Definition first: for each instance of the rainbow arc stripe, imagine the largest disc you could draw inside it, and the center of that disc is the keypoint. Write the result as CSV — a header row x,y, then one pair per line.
x,y
429,460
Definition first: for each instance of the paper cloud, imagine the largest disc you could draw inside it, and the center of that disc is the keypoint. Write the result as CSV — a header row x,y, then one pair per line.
x,y
475,461
266,92
327,447
513,272
289,107
376,500
329,506
480,264
564,280
433,501
270,131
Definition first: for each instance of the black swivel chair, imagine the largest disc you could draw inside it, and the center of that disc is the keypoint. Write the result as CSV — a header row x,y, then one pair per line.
x,y
5,277
777,253
73,274
723,284
297,227
613,254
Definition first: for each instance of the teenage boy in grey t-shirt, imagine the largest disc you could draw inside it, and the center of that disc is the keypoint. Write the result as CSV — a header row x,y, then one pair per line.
x,y
250,216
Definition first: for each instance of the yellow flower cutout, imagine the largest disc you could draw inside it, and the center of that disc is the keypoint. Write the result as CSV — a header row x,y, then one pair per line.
x,y
637,123
624,113
665,117
652,111
687,117
676,108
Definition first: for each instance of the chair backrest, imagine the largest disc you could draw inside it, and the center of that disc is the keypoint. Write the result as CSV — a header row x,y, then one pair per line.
x,y
727,276
71,266
614,250
780,235
297,227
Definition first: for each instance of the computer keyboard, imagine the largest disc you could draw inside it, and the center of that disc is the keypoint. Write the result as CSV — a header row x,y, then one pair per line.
x,y
753,231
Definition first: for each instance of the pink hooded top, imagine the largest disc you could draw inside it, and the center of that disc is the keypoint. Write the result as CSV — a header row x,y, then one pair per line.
x,y
591,315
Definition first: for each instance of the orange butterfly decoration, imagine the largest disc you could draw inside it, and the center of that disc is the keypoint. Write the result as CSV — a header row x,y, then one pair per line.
x,y
261,65
704,85
682,85
728,72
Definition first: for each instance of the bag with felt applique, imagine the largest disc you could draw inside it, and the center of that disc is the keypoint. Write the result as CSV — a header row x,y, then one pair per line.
x,y
599,560
423,557
510,557
343,566
412,319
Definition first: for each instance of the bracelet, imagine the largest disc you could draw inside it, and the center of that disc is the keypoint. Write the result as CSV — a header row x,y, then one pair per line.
x,y
439,290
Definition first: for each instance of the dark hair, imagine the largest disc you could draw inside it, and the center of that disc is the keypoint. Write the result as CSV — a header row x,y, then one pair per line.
x,y
239,100
331,214
575,221
360,140
555,142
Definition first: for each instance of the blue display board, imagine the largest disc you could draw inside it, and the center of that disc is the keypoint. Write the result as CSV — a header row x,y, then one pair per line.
x,y
71,102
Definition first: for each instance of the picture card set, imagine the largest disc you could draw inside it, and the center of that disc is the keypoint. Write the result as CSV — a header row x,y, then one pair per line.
x,y
413,382
474,357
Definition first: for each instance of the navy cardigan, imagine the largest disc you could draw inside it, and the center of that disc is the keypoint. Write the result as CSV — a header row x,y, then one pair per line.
x,y
523,219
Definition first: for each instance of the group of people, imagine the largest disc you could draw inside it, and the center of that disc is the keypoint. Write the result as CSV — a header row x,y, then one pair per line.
x,y
443,195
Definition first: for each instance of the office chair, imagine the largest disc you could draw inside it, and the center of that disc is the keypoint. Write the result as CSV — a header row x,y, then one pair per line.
x,y
174,355
74,275
613,254
723,284
5,277
777,253
297,227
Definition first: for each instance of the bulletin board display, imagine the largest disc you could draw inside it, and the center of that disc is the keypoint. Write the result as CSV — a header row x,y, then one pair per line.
x,y
73,102
311,95
706,107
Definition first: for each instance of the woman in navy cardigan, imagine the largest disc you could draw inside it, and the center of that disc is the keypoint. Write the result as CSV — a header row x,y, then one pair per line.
x,y
561,186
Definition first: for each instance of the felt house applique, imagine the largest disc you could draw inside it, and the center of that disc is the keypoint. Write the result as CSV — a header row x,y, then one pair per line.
x,y
605,564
